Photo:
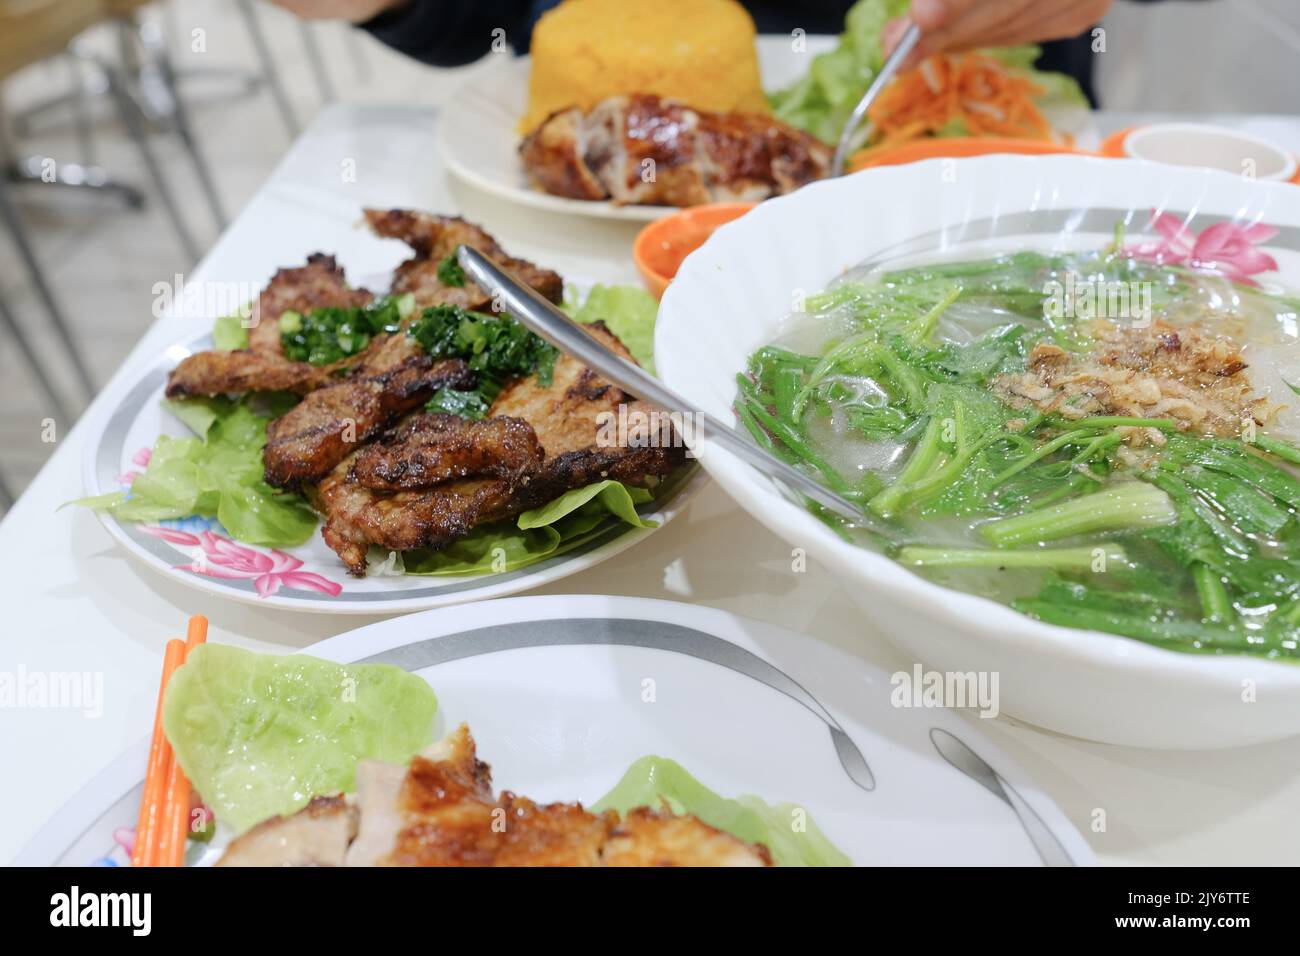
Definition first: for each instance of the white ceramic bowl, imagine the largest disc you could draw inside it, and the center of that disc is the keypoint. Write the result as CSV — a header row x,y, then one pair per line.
x,y
731,296
1213,147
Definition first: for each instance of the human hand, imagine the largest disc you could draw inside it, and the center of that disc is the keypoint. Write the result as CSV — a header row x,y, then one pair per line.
x,y
356,11
953,25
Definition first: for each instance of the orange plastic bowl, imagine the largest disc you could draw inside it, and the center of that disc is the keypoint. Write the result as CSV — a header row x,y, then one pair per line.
x,y
661,246
956,147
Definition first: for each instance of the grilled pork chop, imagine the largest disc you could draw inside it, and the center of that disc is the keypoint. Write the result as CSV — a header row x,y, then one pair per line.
x,y
431,448
440,811
262,366
393,375
643,149
321,284
434,238
569,417
310,439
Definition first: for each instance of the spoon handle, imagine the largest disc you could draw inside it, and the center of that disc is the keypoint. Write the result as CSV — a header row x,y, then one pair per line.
x,y
554,326
886,74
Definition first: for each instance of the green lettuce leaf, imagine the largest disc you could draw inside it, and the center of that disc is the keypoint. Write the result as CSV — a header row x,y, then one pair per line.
x,y
612,497
261,734
785,829
628,311
822,100
555,527
229,333
216,475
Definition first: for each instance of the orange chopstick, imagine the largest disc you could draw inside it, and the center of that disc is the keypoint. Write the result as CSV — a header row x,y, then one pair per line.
x,y
154,779
164,807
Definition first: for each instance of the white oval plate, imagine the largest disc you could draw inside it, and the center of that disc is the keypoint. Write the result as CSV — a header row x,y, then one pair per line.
x,y
555,692
733,293
478,134
309,577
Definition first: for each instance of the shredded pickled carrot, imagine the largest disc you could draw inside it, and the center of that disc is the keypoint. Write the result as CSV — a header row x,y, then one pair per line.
x,y
977,90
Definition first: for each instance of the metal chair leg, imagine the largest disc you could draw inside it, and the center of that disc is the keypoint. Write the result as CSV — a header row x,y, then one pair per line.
x,y
43,291
81,112
83,175
132,120
267,64
16,334
316,61
180,119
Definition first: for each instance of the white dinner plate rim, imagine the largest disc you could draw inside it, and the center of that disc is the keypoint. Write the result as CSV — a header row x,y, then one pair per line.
x,y
116,780
604,546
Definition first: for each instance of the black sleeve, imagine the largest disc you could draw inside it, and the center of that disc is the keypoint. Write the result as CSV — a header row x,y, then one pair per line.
x,y
451,32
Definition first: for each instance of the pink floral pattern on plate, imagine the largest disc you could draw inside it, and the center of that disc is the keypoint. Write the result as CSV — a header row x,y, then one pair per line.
x,y
140,459
220,557
1227,249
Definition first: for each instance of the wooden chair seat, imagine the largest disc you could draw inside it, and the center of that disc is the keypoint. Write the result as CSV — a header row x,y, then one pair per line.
x,y
32,30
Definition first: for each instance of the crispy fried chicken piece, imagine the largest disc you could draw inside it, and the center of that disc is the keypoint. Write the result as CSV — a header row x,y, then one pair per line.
x,y
262,367
572,418
317,835
647,837
431,448
434,238
555,155
440,811
644,149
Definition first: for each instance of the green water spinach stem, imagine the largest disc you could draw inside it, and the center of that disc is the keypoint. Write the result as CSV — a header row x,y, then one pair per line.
x,y
1126,506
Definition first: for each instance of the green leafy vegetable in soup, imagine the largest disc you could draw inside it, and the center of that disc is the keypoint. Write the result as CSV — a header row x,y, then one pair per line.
x,y
1099,442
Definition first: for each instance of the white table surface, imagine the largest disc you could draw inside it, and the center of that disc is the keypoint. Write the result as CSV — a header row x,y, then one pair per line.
x,y
72,600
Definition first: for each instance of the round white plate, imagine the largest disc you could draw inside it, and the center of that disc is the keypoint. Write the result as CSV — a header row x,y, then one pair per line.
x,y
563,693
478,134
309,577
732,295
479,138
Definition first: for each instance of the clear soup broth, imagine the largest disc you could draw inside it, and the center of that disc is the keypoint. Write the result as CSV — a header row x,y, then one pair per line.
x,y
1097,441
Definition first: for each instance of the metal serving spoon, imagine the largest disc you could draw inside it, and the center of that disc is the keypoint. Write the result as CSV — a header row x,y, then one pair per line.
x,y
557,328
886,74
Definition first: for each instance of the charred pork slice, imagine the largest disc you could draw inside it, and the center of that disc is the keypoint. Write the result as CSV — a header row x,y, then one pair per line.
x,y
357,517
644,149
433,239
262,367
229,373
573,418
440,811
309,440
430,448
